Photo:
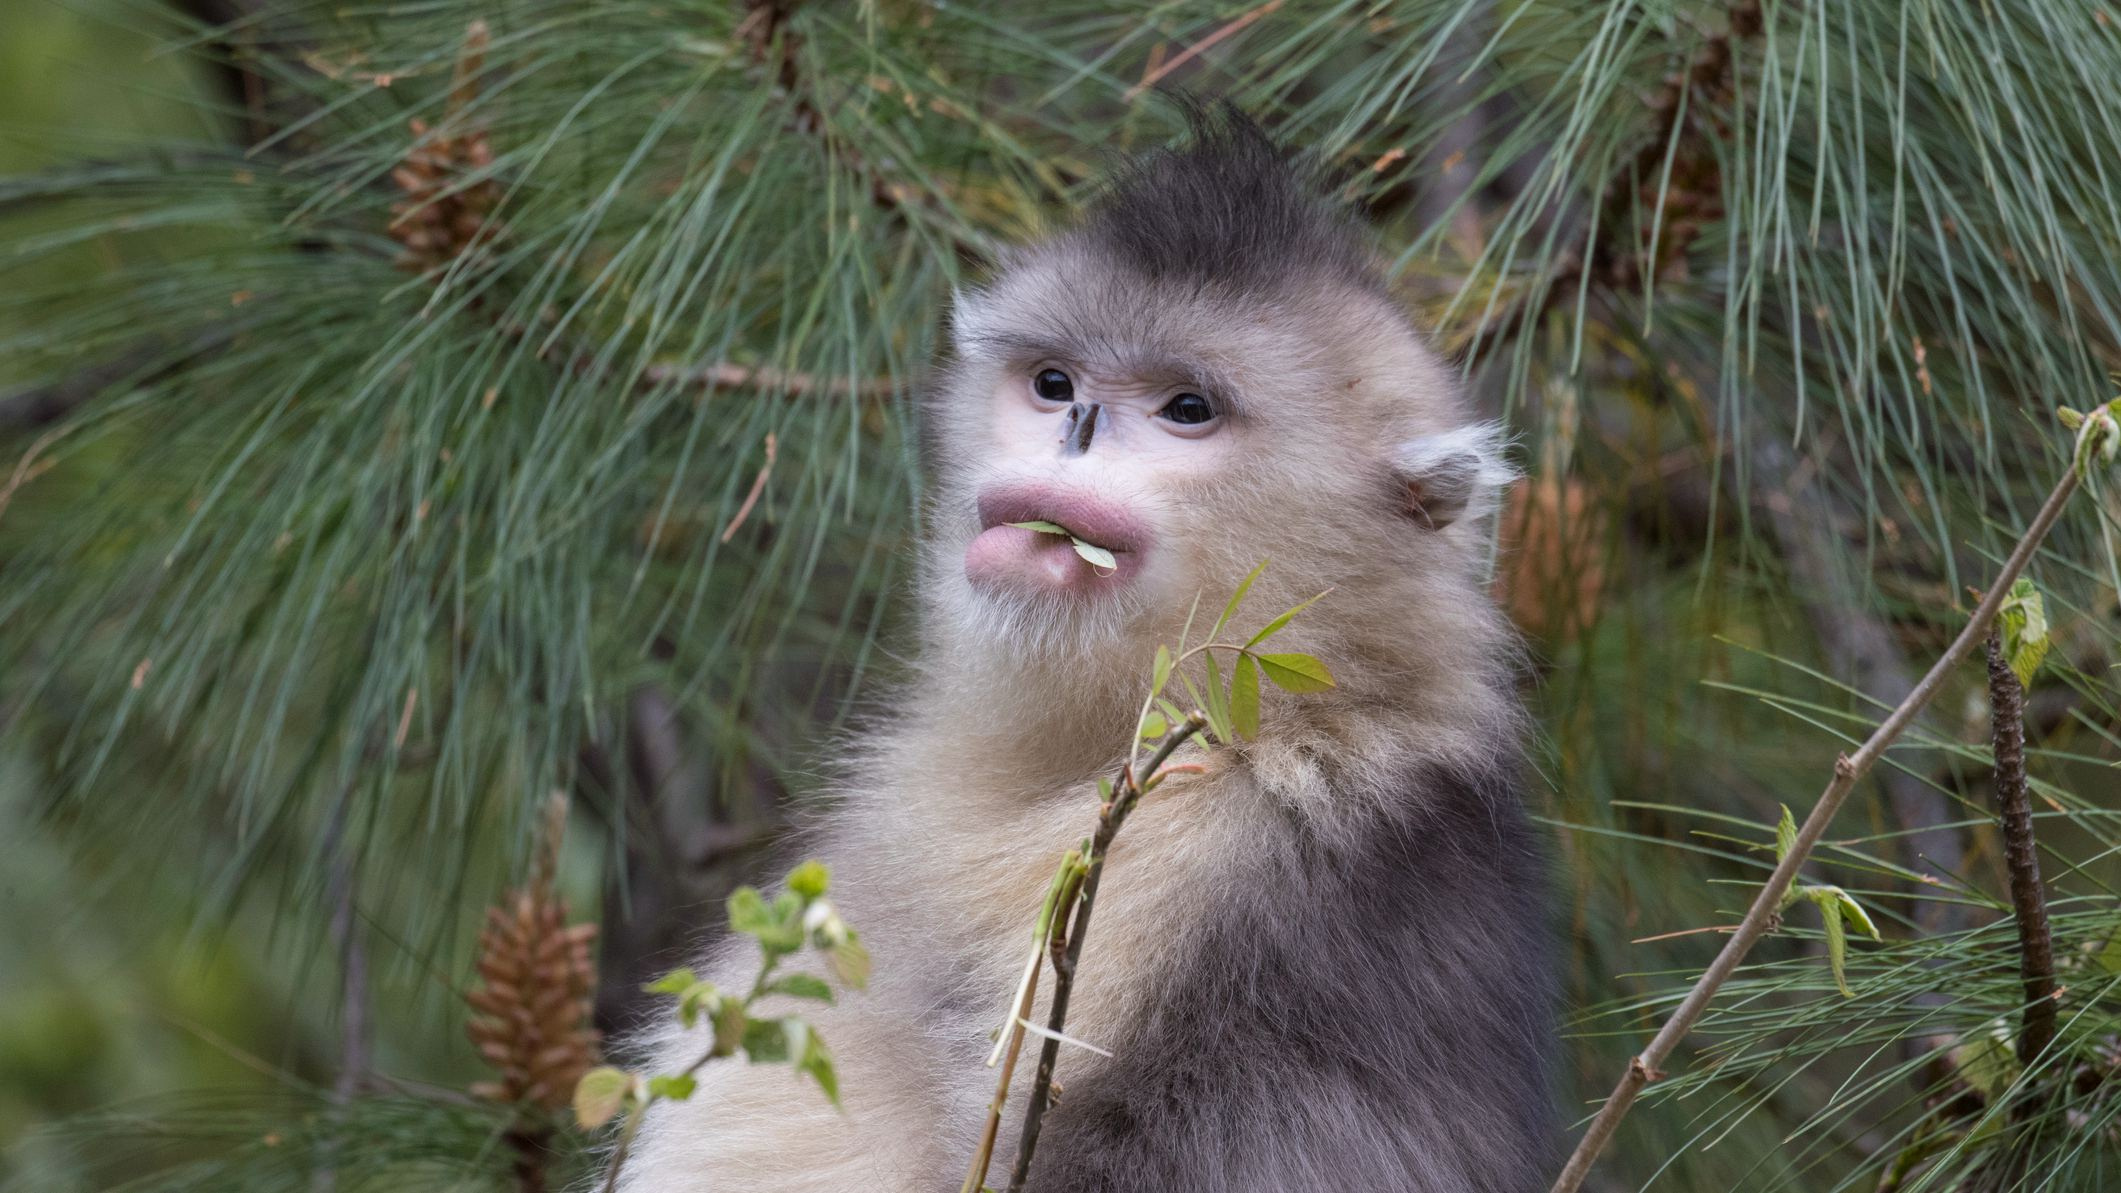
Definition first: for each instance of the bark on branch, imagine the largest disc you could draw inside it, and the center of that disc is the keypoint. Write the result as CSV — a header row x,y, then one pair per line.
x,y
2036,949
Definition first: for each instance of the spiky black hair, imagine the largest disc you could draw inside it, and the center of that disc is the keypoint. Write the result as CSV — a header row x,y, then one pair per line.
x,y
1227,207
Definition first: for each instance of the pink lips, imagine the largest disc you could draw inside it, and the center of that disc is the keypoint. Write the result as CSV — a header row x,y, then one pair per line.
x,y
1002,555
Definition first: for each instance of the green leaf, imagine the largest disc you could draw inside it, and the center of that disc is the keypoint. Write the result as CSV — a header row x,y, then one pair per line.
x,y
809,880
1042,527
2109,955
1154,726
748,913
1218,708
677,981
1853,912
699,997
1785,834
1161,674
599,1094
1296,672
778,929
1988,1062
1836,938
2023,621
1096,556
849,961
1230,610
1172,713
677,1087
817,1062
801,985
1244,697
765,1041
1199,701
730,1024
1275,627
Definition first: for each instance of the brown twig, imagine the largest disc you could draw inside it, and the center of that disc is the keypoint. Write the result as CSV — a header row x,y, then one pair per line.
x,y
976,1173
1156,72
1848,769
1074,930
758,486
2036,949
726,376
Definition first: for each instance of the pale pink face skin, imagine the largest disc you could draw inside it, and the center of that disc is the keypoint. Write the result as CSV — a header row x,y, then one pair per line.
x,y
1034,476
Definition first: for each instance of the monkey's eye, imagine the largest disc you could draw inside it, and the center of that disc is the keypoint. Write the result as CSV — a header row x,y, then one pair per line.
x,y
1188,410
1053,385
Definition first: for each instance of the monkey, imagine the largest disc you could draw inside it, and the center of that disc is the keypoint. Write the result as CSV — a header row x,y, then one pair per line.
x,y
1322,961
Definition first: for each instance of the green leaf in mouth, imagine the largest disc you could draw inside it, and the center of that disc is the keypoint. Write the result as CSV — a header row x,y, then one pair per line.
x,y
1096,556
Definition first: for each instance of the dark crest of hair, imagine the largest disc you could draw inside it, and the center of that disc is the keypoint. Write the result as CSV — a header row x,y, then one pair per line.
x,y
1227,207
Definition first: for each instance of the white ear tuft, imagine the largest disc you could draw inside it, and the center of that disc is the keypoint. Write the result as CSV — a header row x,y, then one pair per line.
x,y
1455,474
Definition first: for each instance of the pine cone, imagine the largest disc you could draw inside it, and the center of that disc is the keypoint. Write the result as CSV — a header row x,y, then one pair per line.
x,y
1554,574
538,985
440,216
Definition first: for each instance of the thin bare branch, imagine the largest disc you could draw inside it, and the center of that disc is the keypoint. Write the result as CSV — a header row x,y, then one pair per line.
x,y
1073,932
726,376
1848,769
1155,74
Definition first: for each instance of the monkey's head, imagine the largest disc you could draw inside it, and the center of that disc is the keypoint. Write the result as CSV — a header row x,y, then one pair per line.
x,y
1205,372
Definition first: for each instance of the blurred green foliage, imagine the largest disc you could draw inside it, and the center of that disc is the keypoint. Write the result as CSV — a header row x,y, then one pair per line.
x,y
358,563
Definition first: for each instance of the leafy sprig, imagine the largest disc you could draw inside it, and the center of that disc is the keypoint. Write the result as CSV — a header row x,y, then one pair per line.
x,y
1228,712
1838,910
1232,706
800,916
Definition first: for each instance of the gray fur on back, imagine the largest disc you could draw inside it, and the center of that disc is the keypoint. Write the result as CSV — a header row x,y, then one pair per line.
x,y
1369,1017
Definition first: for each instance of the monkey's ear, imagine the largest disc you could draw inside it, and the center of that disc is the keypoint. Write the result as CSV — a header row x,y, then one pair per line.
x,y
1454,474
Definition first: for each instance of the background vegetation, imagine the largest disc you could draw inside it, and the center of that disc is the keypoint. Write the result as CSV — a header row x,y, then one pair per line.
x,y
412,409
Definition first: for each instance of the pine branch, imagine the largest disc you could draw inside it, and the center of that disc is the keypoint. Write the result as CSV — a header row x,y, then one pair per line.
x,y
233,29
768,31
1645,1067
1673,173
2036,949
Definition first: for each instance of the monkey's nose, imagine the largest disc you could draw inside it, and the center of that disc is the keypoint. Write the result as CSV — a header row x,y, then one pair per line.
x,y
1081,426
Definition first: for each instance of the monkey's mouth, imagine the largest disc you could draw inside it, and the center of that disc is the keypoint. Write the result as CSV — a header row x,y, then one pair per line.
x,y
1005,556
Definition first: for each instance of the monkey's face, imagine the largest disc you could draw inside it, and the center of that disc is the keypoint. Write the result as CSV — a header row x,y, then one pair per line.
x,y
1080,446
1188,432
